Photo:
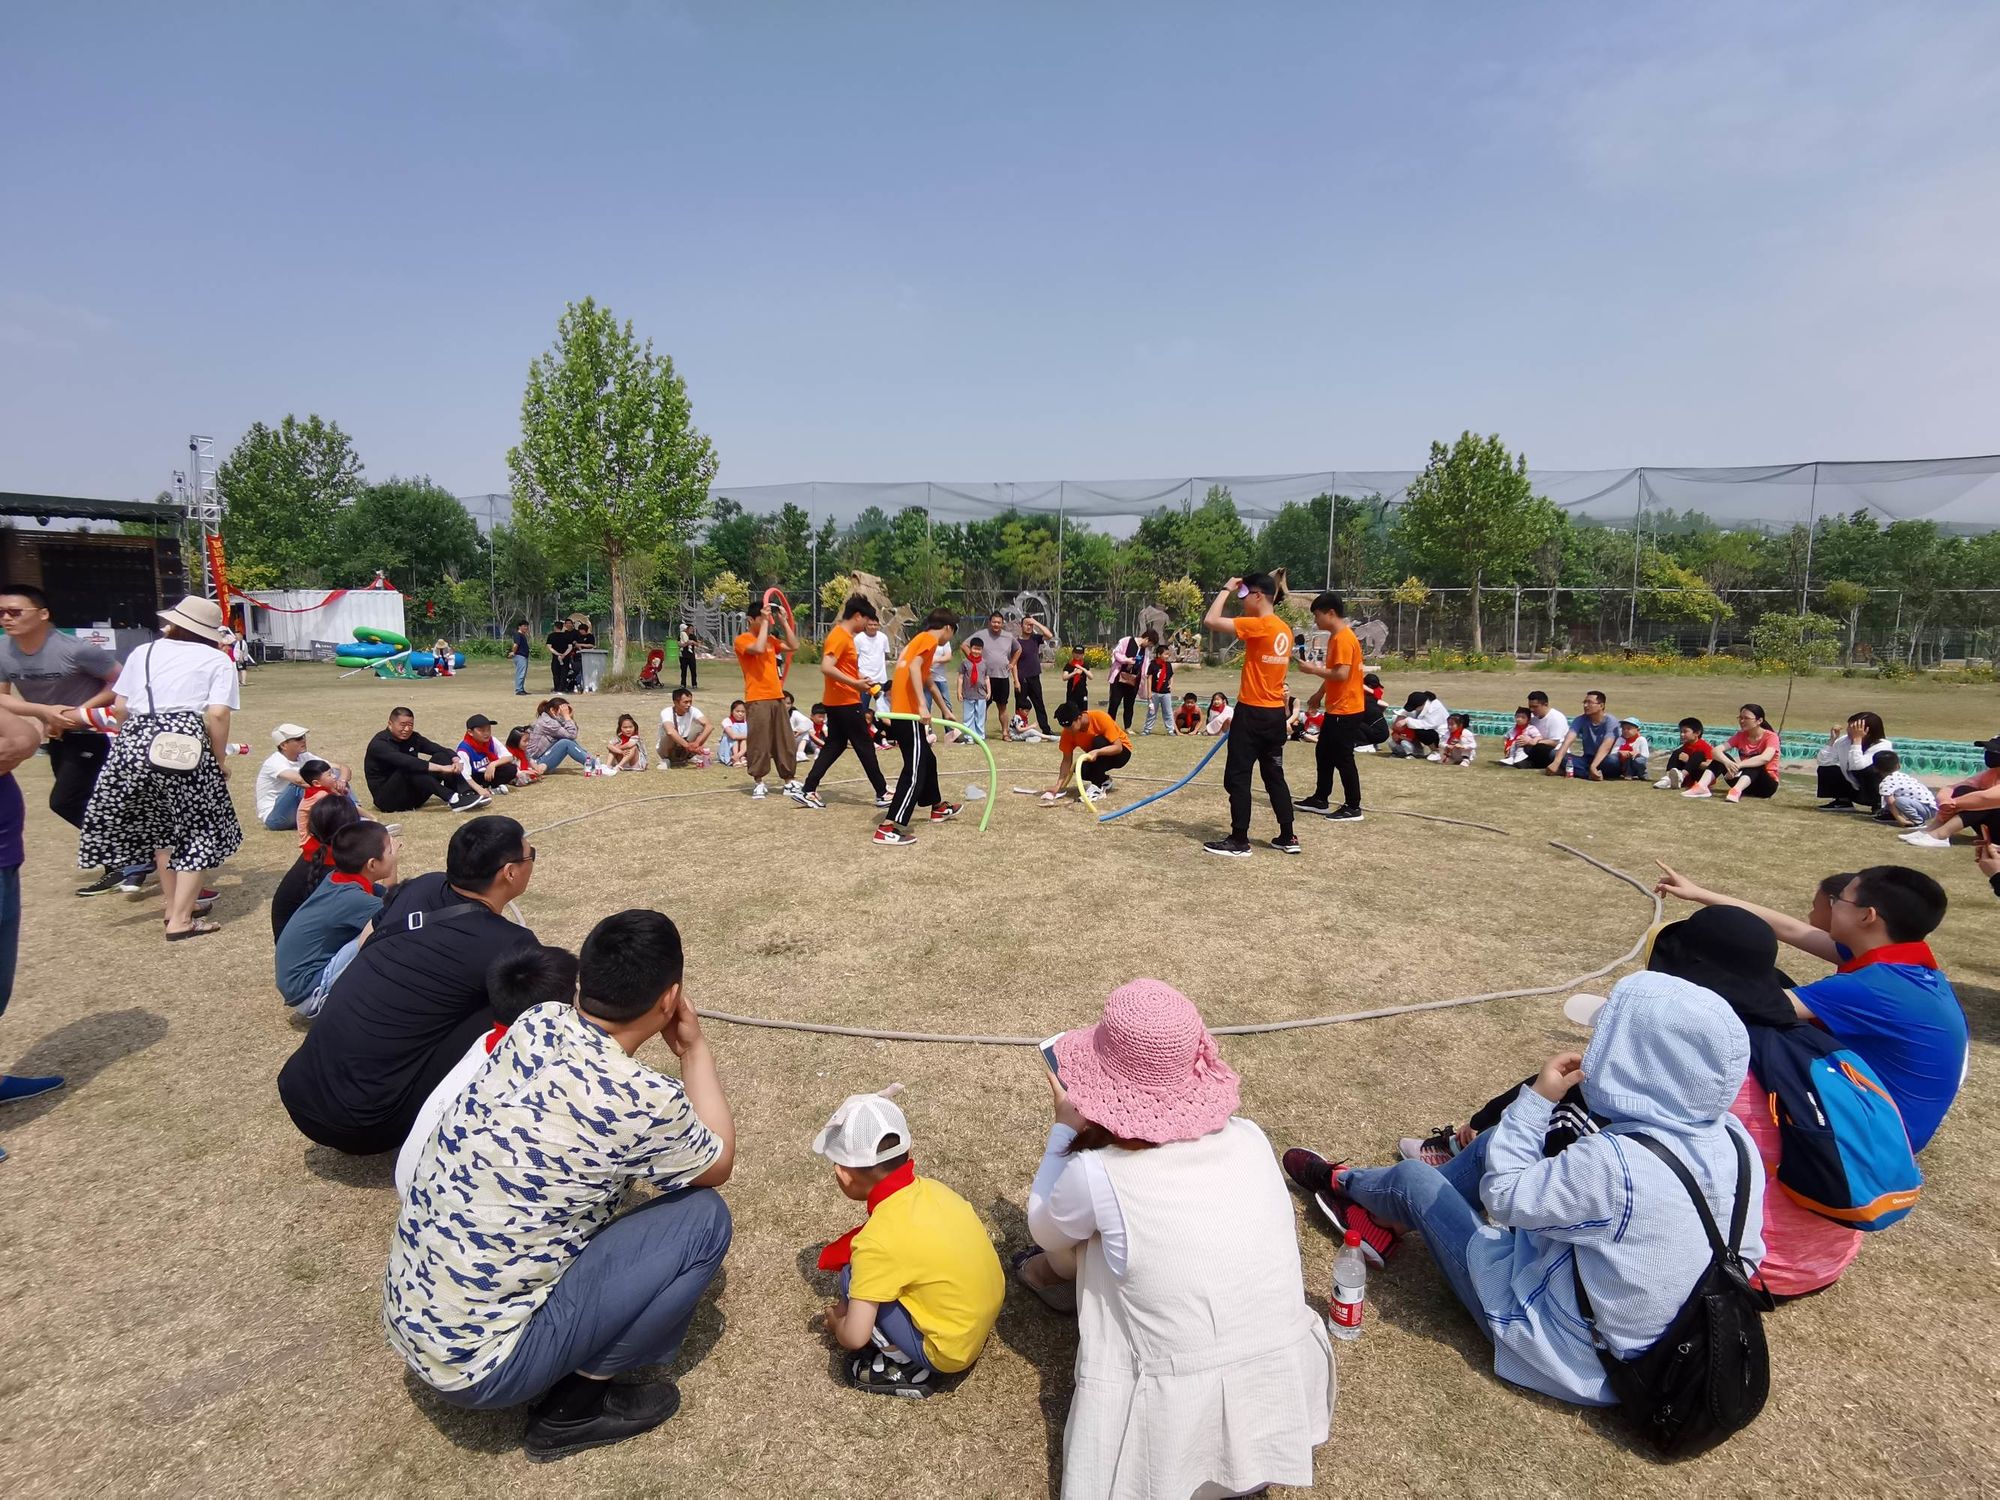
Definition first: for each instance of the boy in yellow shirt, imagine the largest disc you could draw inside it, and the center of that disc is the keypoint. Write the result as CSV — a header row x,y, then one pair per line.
x,y
920,1283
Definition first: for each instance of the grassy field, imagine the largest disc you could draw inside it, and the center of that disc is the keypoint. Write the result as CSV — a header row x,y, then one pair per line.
x,y
191,1291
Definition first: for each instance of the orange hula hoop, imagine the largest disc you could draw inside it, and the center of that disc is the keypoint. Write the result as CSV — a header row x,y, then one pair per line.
x,y
776,595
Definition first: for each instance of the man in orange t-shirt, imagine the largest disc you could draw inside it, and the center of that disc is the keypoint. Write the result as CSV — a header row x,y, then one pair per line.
x,y
1257,733
1342,696
917,786
1097,738
846,720
770,722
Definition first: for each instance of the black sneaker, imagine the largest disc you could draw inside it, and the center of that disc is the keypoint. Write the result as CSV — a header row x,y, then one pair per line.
x,y
1229,848
876,1372
627,1411
106,883
1344,814
1311,804
1839,804
1286,843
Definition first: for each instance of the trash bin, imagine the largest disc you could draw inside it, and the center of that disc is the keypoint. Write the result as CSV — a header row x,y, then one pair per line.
x,y
593,667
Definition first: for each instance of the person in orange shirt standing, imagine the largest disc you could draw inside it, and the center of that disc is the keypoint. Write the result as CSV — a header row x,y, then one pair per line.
x,y
1343,698
1257,733
1097,737
846,723
918,785
764,702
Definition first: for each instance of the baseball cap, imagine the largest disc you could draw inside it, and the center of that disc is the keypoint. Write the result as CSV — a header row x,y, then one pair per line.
x,y
1582,1009
479,721
852,1137
288,732
1992,749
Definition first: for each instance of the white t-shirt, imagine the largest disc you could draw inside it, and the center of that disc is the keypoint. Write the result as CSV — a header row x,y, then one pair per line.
x,y
802,724
271,782
441,1099
1551,726
872,654
185,676
687,725
938,658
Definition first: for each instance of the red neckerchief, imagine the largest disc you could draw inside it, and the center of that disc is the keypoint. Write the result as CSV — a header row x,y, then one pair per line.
x,y
493,1036
341,877
841,1251
1918,954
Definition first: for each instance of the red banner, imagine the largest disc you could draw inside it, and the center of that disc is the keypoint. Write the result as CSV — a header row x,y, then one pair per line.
x,y
218,573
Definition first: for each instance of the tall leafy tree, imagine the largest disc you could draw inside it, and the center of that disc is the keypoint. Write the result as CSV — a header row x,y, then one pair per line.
x,y
282,490
1472,517
610,460
411,529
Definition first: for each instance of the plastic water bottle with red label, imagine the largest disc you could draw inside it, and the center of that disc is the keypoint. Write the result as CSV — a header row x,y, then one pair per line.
x,y
1350,1288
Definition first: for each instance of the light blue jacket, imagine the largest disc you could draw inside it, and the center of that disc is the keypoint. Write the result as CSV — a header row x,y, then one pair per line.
x,y
1667,1058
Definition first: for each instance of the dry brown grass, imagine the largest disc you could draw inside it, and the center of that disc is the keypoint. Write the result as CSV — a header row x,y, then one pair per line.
x,y
190,1291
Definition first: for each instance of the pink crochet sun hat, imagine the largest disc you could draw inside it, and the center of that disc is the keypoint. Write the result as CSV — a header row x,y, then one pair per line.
x,y
1149,1071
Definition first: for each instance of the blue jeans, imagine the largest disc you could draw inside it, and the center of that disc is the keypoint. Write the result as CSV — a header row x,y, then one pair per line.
x,y
893,1325
561,751
1441,1202
520,674
1610,768
623,1303
314,1003
1160,705
284,812
941,695
974,716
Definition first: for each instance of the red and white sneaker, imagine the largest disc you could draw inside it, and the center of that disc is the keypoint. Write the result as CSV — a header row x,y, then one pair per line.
x,y
889,833
1433,1150
944,812
1343,1213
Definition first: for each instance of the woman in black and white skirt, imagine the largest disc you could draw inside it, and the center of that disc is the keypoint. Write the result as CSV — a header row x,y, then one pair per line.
x,y
163,793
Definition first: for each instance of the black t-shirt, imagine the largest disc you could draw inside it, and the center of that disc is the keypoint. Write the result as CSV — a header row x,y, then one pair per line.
x,y
560,641
586,635
372,1056
388,757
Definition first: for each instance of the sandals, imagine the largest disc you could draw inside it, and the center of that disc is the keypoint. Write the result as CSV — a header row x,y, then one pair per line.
x,y
1060,1297
199,928
871,1371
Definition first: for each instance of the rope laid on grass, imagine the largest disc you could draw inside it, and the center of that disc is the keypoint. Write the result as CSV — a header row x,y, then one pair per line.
x,y
971,1039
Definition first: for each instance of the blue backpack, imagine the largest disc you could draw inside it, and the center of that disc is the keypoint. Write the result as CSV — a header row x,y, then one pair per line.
x,y
1844,1151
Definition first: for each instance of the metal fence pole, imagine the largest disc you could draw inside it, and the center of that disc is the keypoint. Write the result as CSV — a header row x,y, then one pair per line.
x,y
1514,643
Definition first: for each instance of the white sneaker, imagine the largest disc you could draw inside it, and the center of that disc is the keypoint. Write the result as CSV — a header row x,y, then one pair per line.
x,y
1665,783
1433,756
504,790
1514,759
757,790
1922,840
1364,749
607,770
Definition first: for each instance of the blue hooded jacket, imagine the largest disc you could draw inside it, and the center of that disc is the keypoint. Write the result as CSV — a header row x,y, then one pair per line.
x,y
1667,1058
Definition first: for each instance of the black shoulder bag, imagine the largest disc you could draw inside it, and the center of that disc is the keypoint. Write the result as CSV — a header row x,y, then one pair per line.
x,y
1708,1374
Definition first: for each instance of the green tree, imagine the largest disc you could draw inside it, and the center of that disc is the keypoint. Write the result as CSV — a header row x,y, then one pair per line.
x,y
1472,517
1672,594
1181,598
1219,544
282,490
411,529
1849,599
1726,561
610,460
1795,643
727,590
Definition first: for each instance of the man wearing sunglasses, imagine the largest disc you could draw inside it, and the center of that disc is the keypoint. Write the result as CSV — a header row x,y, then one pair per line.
x,y
54,679
414,997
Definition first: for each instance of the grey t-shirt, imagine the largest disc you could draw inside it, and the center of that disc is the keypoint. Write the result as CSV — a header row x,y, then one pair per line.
x,y
66,672
1000,647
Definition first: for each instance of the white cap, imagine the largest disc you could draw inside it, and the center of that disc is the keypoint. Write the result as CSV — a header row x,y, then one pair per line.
x,y
288,732
1583,1009
853,1137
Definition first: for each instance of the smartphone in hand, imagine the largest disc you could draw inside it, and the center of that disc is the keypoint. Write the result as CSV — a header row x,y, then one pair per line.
x,y
1048,1051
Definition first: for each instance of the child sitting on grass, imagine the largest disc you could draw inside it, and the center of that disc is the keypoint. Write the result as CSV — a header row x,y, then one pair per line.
x,y
441,655
1220,714
626,750
1633,751
735,735
1459,745
1906,801
1522,735
527,768
1688,759
1187,718
533,976
811,732
920,1285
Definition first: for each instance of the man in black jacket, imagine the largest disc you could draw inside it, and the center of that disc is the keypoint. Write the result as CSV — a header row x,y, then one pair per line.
x,y
404,770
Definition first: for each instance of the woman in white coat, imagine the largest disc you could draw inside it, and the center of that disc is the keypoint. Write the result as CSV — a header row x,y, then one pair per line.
x,y
1200,1370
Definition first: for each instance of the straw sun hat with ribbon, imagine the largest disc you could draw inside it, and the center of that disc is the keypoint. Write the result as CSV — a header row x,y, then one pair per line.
x,y
1149,1070
197,616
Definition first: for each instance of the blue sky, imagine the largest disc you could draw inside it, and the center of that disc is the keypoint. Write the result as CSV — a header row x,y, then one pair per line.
x,y
1021,241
